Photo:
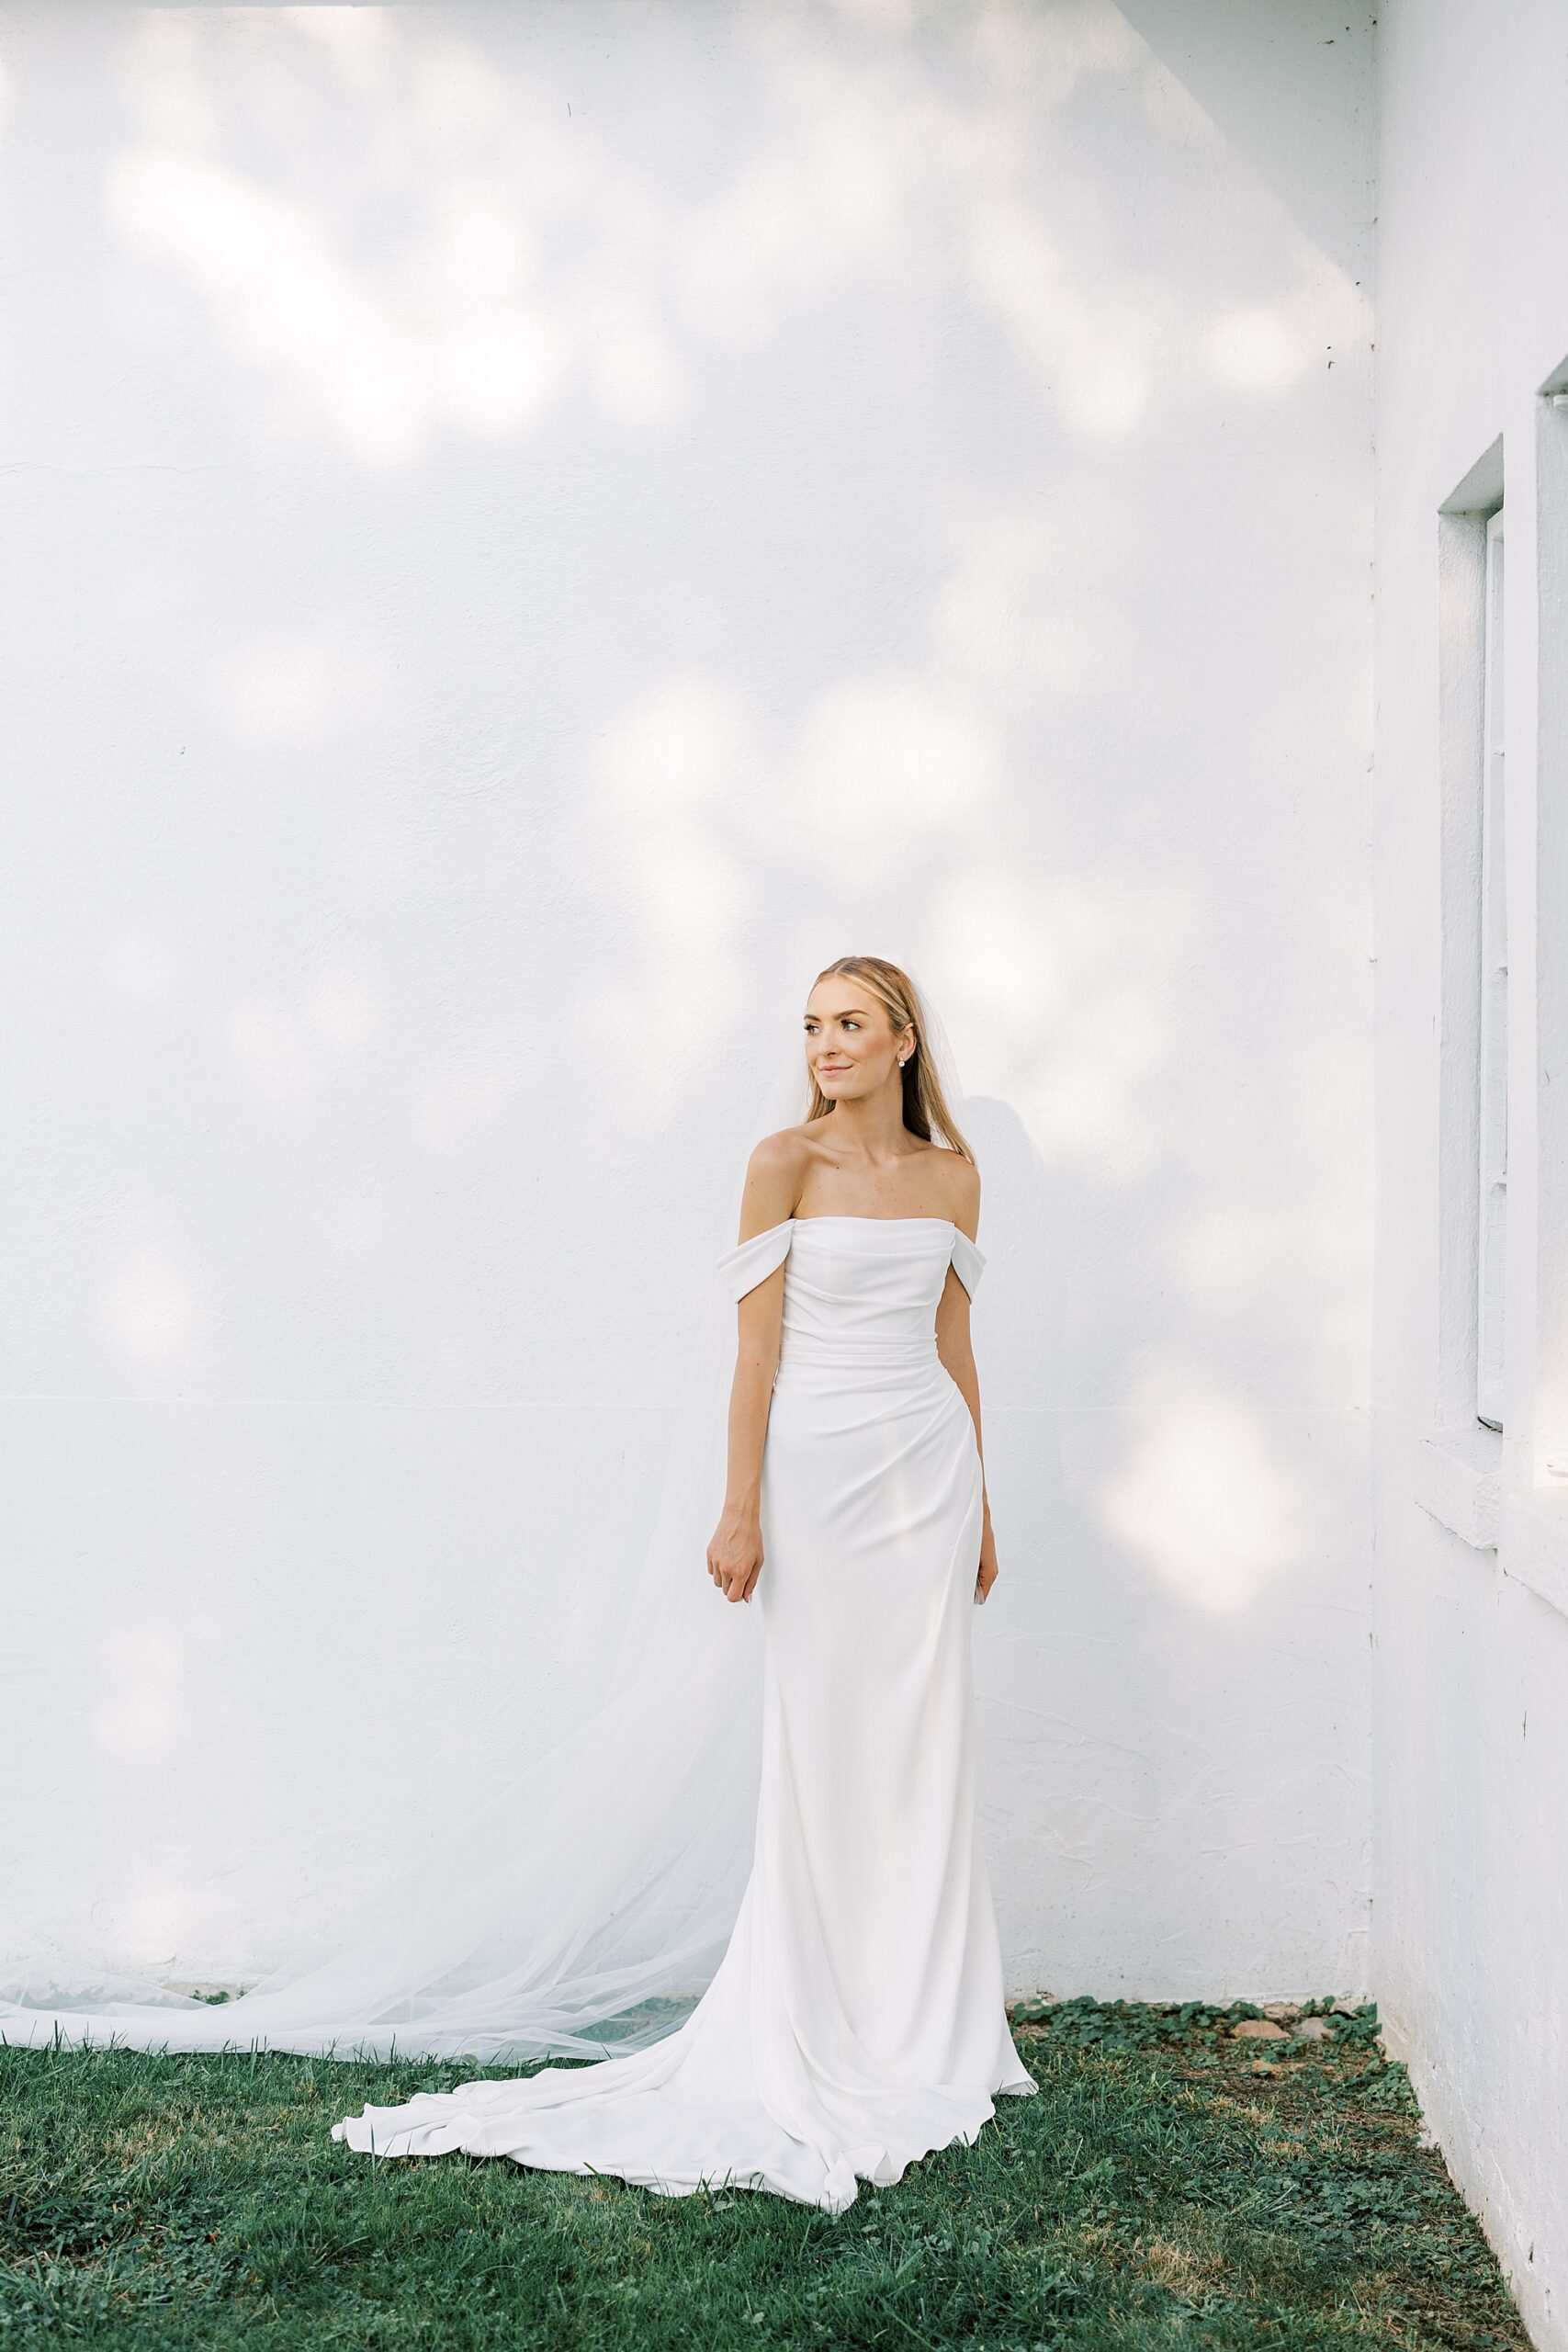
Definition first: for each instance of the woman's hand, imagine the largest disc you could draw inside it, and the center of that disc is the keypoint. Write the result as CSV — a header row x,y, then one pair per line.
x,y
735,1555
987,1573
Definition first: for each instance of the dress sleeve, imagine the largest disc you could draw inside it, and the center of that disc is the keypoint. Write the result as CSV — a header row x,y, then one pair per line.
x,y
968,1262
750,1262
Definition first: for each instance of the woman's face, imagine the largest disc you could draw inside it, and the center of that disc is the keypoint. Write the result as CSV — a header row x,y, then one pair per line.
x,y
851,1049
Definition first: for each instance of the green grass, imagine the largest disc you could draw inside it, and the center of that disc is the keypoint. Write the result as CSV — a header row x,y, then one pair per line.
x,y
1161,2191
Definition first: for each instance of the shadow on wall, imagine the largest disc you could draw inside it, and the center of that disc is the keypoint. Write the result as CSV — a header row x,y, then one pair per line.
x,y
1291,89
539,527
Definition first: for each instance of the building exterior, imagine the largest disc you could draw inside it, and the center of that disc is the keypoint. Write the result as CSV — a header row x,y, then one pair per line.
x,y
530,527
1469,1878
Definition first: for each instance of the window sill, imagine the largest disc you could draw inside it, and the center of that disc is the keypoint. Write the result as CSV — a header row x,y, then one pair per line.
x,y
1534,1548
1459,1478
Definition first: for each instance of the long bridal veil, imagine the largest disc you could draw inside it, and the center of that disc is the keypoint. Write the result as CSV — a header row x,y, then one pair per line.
x,y
584,1905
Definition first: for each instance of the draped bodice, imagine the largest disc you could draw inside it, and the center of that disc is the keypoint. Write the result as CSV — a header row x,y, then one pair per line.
x,y
857,1289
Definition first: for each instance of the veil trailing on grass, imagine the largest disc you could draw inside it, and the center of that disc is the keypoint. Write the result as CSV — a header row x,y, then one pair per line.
x,y
586,1904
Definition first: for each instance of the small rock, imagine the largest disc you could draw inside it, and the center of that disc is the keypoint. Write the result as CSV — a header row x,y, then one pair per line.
x,y
1257,2030
1313,2029
1345,2009
1264,2067
1281,2011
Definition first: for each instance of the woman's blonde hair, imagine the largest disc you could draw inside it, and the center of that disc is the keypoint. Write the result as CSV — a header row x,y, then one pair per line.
x,y
926,1114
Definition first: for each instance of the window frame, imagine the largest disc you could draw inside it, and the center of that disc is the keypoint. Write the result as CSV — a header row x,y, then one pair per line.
x,y
1492,1009
1459,1467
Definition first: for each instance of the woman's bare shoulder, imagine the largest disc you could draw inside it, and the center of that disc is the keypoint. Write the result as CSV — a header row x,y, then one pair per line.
x,y
775,1175
785,1152
960,1180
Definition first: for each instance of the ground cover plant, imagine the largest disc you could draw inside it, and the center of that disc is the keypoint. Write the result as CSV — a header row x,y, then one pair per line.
x,y
1175,2182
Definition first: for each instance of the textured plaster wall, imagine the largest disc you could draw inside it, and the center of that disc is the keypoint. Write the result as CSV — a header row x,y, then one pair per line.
x,y
1471,1943
527,529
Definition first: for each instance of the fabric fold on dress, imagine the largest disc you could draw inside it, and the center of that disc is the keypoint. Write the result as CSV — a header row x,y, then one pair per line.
x,y
750,1262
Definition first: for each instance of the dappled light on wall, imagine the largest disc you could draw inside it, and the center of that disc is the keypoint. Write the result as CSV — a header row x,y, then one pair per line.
x,y
668,780
1203,1498
326,682
286,1051
1072,979
469,248
139,1711
539,527
153,1315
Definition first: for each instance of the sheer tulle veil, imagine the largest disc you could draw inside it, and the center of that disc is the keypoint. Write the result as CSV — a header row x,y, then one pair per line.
x,y
584,1906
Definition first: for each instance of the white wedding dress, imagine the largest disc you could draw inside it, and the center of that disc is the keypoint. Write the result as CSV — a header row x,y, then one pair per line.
x,y
856,2021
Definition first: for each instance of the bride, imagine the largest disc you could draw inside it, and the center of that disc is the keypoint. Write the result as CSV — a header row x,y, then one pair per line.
x,y
856,2021
777,1806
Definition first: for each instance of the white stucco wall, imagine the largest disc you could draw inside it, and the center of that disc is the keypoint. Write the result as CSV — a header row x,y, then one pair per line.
x,y
1471,1945
524,525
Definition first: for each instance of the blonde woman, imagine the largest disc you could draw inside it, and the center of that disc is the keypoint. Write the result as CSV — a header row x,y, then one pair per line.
x,y
856,2019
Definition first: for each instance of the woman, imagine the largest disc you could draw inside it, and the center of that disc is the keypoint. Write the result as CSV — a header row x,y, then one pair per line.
x,y
856,2019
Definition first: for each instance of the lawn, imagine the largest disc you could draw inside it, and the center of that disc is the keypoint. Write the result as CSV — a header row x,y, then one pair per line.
x,y
1173,2185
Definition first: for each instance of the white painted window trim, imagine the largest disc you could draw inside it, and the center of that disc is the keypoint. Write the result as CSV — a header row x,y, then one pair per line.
x,y
1492,1057
1459,1479
1533,1545
1537,1551
1460,1476
1459,1464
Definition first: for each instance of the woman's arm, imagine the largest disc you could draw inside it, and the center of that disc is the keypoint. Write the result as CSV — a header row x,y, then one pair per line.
x,y
735,1555
953,1345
